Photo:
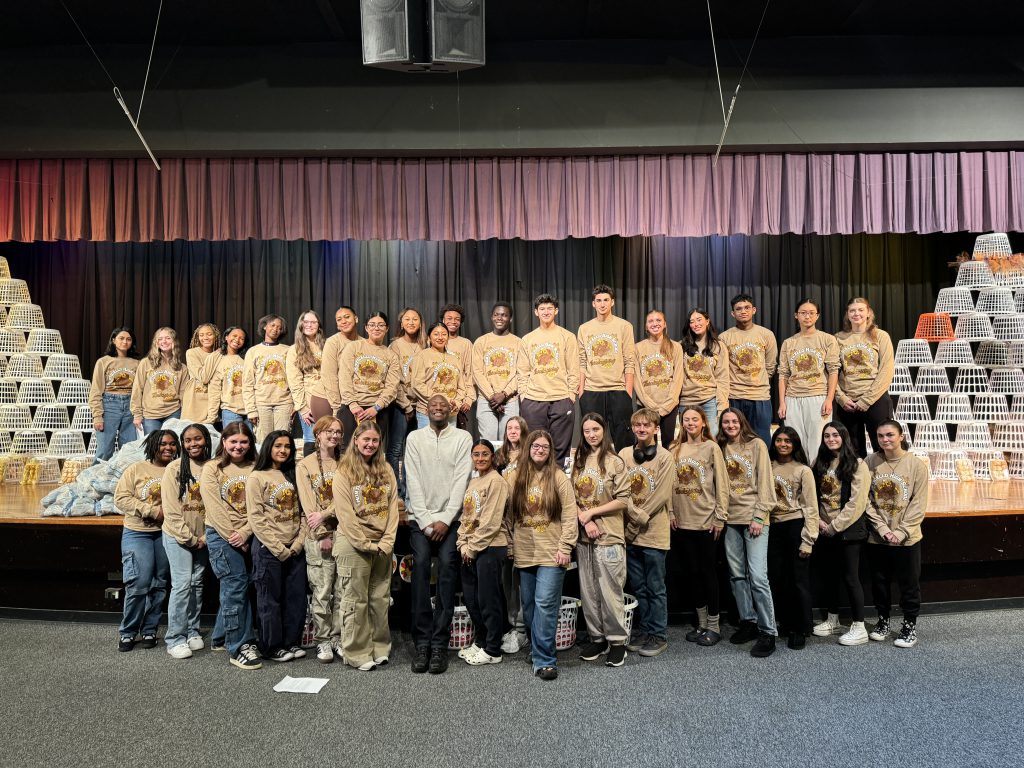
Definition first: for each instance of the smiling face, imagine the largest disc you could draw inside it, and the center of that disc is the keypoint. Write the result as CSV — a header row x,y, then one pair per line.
x,y
330,438
832,439
546,313
783,446
310,325
593,433
603,304
376,329
438,410
452,321
501,318
367,443
644,431
236,446
281,450
859,315
693,423
540,450
194,442
439,338
206,337
655,324
698,324
235,340
483,459
273,330
166,450
165,342
410,323
731,425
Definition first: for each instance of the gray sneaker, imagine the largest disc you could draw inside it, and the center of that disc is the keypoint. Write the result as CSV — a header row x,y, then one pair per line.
x,y
653,646
636,642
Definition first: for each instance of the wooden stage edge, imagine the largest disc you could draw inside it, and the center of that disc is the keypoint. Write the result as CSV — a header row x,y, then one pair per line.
x,y
19,505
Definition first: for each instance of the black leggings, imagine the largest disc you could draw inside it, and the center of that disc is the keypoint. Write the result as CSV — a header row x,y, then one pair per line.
x,y
903,564
789,576
840,563
348,421
699,553
858,421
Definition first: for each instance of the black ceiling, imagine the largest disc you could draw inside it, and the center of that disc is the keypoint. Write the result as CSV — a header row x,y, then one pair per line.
x,y
262,22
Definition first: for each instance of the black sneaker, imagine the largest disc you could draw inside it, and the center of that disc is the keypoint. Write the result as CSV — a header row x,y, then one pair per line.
x,y
636,642
746,632
881,630
694,634
248,657
438,661
217,645
593,651
125,643
764,647
281,655
421,661
148,641
616,656
796,641
908,635
653,646
547,673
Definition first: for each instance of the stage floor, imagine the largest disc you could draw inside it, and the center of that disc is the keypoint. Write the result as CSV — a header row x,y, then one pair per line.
x,y
19,504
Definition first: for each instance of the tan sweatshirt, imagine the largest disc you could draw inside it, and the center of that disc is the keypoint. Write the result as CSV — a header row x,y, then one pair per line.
x,y
494,364
156,393
223,492
805,363
437,373
753,358
537,540
659,379
327,387
111,376
368,374
595,488
462,348
898,498
137,496
607,353
202,365
300,382
184,519
700,493
796,498
265,378
706,377
865,367
316,492
275,517
405,350
650,499
831,494
484,522
367,514
549,368
226,387
751,482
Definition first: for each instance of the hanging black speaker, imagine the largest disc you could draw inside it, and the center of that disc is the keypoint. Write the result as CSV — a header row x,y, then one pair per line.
x,y
423,35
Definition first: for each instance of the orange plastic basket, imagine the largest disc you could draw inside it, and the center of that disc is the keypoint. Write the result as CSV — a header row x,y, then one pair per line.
x,y
934,326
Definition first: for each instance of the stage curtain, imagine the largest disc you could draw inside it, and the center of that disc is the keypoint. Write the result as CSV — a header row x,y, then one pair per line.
x,y
530,198
86,289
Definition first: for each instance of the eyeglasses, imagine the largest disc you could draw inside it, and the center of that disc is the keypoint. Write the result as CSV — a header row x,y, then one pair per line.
x,y
377,326
333,431
807,313
540,447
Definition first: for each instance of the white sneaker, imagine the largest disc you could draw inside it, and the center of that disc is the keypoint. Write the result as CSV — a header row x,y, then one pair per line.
x,y
513,641
830,626
196,643
483,657
469,652
367,667
858,634
325,652
181,651
381,661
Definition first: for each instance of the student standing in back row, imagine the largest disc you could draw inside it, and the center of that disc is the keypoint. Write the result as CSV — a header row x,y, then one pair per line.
x,y
268,400
452,315
607,362
494,372
549,377
111,391
753,357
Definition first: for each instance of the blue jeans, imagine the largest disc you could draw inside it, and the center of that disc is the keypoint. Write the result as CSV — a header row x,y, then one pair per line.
x,y
540,588
646,569
145,570
226,417
151,425
710,408
187,569
307,430
229,566
759,414
397,431
118,424
747,557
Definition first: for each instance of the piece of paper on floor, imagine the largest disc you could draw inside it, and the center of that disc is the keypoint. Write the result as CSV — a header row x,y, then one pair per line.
x,y
301,684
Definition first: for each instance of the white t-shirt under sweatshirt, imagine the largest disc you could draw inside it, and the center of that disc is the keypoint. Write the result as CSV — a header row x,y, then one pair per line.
x,y
437,468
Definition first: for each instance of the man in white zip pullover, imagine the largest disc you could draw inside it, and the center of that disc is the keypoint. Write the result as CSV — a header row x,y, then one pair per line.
x,y
437,467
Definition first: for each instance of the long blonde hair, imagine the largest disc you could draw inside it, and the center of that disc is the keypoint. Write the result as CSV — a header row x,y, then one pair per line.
x,y
665,347
872,329
305,356
528,476
156,358
321,426
357,471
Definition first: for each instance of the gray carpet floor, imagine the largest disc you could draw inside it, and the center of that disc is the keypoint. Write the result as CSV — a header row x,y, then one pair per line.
x,y
70,699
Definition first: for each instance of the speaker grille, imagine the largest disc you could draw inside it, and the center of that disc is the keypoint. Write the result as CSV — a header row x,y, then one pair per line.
x,y
457,31
385,30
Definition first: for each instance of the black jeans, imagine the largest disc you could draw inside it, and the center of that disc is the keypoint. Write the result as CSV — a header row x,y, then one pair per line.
x,y
432,626
858,421
902,564
668,428
840,563
280,597
699,554
557,417
790,577
616,407
485,598
348,421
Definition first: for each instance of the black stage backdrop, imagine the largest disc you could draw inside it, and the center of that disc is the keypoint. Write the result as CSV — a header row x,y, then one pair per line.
x,y
85,289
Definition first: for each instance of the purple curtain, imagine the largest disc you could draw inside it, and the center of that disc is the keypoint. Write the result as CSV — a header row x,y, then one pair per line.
x,y
532,198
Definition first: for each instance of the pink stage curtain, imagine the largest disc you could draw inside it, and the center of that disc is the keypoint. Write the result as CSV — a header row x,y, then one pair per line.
x,y
532,198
